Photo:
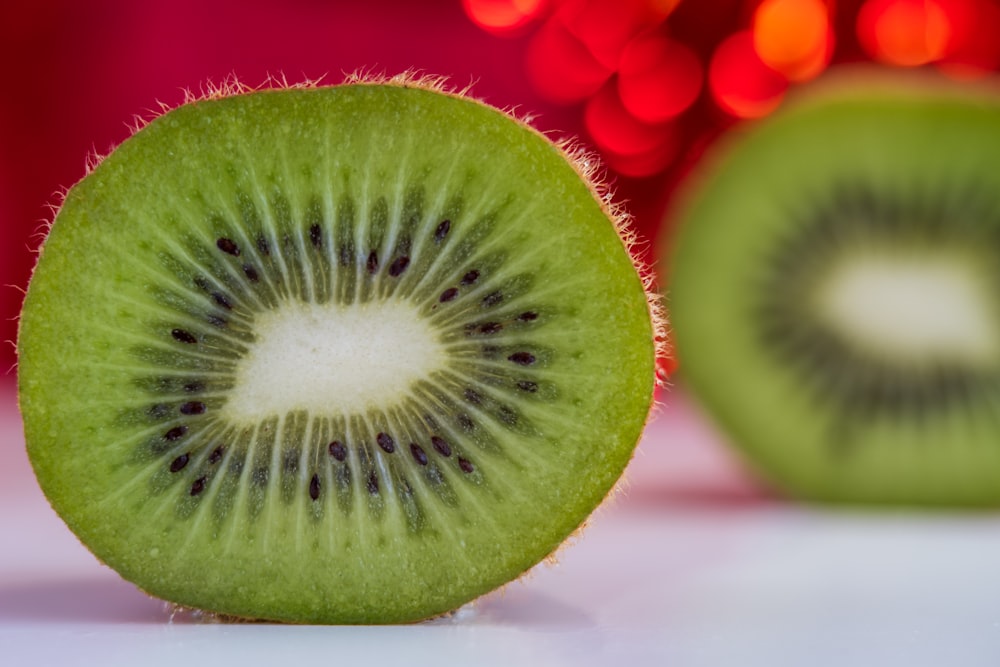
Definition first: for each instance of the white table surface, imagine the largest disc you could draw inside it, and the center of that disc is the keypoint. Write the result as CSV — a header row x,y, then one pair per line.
x,y
692,565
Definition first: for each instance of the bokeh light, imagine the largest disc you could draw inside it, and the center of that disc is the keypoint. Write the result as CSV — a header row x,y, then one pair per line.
x,y
630,146
502,17
973,48
741,83
658,78
561,67
793,37
646,163
607,26
904,32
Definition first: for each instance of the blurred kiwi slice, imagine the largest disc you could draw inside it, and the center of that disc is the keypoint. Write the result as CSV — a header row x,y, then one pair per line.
x,y
835,291
346,354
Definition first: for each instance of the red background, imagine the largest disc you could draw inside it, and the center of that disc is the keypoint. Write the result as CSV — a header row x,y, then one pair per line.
x,y
77,73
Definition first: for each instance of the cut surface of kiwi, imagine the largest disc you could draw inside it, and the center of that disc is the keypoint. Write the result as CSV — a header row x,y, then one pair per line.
x,y
835,292
344,354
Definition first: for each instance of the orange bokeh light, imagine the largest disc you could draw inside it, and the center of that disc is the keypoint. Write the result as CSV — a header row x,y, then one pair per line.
x,y
904,32
741,83
502,16
793,37
658,78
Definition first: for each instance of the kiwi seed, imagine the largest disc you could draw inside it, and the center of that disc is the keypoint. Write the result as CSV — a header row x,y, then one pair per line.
x,y
348,354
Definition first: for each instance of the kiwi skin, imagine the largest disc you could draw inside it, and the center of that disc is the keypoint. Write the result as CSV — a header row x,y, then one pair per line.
x,y
75,401
914,151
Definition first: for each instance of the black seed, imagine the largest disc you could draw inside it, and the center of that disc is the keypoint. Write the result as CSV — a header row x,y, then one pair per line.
x,y
418,454
193,408
526,385
251,273
442,447
448,294
372,483
399,265
228,246
523,358
175,433
386,442
490,328
215,455
464,421
314,487
179,463
492,299
183,336
470,277
372,262
198,486
465,465
442,230
222,300
528,316
316,236
473,397
337,451
262,246
507,415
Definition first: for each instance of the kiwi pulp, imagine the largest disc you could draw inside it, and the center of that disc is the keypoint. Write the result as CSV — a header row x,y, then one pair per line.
x,y
347,354
835,292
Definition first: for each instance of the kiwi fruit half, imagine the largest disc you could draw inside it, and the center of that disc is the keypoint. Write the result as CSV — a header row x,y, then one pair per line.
x,y
345,354
835,292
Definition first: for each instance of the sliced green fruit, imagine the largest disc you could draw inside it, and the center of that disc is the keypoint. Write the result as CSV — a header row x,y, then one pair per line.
x,y
835,293
347,354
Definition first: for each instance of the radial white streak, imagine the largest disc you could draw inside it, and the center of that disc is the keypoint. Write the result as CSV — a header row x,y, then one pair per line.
x,y
331,359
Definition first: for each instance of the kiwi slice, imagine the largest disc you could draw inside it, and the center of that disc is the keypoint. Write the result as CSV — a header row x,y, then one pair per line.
x,y
347,354
835,292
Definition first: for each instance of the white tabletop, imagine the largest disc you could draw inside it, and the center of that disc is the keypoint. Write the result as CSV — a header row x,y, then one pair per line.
x,y
691,565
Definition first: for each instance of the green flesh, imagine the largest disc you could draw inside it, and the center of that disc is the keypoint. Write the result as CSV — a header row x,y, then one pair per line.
x,y
533,382
835,296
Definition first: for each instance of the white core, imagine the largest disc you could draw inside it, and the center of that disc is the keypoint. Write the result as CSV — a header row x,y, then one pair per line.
x,y
331,359
918,309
